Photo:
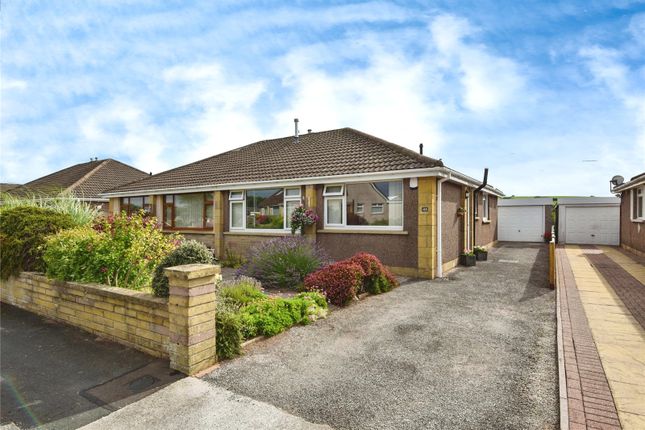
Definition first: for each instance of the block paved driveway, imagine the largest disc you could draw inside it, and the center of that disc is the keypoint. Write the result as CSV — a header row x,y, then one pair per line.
x,y
475,351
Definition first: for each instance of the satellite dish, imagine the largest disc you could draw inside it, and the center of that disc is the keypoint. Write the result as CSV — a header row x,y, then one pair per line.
x,y
617,180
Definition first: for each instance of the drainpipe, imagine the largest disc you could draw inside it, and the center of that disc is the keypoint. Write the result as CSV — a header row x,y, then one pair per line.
x,y
476,205
439,271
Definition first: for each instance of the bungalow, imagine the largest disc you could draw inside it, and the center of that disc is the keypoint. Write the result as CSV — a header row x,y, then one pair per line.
x,y
84,181
414,213
632,212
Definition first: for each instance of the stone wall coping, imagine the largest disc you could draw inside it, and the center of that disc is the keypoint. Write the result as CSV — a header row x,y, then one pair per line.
x,y
125,294
192,271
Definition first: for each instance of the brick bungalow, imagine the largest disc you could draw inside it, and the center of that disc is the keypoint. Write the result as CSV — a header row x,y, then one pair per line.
x,y
371,195
632,214
85,181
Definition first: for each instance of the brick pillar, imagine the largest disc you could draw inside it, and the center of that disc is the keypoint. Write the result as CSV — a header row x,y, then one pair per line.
x,y
191,311
218,223
427,224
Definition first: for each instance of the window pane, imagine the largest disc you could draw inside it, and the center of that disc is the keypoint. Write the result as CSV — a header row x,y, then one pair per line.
x,y
331,190
265,209
292,192
291,206
168,216
209,216
383,199
334,211
237,215
236,195
189,210
634,203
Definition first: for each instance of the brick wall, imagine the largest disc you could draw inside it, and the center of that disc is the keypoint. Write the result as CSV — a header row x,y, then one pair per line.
x,y
132,318
181,327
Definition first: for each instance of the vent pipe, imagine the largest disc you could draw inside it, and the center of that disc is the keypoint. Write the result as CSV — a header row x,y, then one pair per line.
x,y
296,135
421,148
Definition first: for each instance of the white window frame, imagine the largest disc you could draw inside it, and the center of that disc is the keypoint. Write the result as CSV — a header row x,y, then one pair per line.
x,y
236,197
327,195
636,194
294,198
377,205
360,208
485,207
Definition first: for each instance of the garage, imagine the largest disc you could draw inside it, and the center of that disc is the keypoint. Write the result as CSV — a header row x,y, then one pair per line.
x,y
522,220
589,220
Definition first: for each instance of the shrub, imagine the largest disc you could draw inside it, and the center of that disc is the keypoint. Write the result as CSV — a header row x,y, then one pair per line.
x,y
121,251
81,213
241,291
274,315
23,231
228,326
284,262
339,282
376,277
232,259
188,252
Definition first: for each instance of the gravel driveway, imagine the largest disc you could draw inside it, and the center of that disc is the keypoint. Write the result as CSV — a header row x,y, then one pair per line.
x,y
475,351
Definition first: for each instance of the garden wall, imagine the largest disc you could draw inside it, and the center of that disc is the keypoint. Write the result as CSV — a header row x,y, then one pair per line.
x,y
129,317
181,327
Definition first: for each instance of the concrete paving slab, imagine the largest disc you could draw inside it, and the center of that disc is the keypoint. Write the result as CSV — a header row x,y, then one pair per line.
x,y
195,404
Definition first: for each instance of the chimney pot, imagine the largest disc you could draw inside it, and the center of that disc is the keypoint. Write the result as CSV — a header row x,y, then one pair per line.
x,y
308,130
421,148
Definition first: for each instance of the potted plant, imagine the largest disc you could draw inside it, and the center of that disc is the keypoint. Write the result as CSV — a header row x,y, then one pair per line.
x,y
481,253
301,218
461,211
467,258
547,237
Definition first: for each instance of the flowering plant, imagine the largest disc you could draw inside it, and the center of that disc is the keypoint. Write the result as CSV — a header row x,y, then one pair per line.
x,y
468,252
547,236
480,249
301,217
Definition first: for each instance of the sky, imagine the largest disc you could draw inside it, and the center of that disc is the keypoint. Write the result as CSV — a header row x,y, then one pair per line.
x,y
550,96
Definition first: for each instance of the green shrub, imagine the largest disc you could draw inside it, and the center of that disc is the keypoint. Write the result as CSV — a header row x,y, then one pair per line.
x,y
228,326
274,315
81,213
241,291
188,252
284,262
23,231
121,251
231,259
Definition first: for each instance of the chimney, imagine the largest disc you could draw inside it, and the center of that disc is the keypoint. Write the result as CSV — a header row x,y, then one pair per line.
x,y
296,136
309,130
421,148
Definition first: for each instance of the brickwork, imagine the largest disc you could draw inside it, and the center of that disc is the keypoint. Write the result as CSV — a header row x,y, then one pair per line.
x,y
181,327
630,290
191,310
588,401
128,317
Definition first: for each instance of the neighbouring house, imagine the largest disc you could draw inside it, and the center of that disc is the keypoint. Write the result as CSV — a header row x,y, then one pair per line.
x,y
85,181
411,211
6,187
632,213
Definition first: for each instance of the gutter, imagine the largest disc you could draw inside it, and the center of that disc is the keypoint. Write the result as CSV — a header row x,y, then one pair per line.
x,y
476,205
445,172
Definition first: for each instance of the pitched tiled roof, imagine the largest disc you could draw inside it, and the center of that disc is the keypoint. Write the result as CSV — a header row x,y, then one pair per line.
x,y
328,153
85,180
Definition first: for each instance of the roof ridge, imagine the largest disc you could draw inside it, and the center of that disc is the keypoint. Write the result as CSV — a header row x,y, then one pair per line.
x,y
112,160
398,148
102,163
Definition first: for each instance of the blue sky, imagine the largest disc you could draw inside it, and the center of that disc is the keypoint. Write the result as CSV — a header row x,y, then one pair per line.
x,y
529,89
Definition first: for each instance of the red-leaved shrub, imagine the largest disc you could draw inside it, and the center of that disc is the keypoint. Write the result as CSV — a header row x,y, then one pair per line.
x,y
339,282
377,278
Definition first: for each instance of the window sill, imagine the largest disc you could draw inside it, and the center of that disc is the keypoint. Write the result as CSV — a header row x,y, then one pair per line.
x,y
638,220
360,231
485,221
257,233
188,230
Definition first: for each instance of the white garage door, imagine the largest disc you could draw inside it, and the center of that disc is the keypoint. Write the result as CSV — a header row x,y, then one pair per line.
x,y
520,223
592,225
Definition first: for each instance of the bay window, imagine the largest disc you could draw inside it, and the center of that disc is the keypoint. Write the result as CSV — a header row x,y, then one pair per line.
x,y
345,205
189,211
638,195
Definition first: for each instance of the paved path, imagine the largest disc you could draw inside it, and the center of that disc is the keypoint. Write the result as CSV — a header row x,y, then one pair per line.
x,y
616,333
475,351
